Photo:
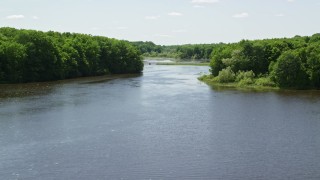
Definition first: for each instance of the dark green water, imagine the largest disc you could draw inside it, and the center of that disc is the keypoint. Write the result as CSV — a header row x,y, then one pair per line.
x,y
164,124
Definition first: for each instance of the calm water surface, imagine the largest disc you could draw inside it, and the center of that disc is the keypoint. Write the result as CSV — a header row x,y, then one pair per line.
x,y
164,124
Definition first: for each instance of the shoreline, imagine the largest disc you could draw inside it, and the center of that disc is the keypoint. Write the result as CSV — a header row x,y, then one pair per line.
x,y
39,88
235,86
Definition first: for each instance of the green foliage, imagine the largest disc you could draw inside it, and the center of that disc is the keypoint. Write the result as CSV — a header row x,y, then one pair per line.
x,y
241,75
206,77
226,75
218,54
314,38
313,64
12,56
147,47
245,78
289,63
246,82
42,62
29,56
188,51
216,65
265,81
288,71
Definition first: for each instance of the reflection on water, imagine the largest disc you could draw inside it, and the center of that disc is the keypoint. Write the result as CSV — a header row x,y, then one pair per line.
x,y
164,124
21,90
42,88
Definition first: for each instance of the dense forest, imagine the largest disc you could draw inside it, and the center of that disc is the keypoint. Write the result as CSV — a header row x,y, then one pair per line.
x,y
285,63
197,52
31,56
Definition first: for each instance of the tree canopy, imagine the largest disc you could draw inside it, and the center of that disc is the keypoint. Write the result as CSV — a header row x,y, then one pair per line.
x,y
286,62
30,56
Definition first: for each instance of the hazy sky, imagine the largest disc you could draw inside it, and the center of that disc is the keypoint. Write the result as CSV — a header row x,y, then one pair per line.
x,y
167,21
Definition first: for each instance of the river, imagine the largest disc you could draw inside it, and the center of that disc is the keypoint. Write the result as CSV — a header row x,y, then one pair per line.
x,y
163,124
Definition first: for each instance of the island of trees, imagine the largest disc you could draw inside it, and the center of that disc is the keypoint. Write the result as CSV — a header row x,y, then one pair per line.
x,y
285,63
31,56
282,63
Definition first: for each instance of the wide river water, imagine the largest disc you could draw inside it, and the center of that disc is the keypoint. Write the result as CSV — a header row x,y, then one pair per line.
x,y
164,124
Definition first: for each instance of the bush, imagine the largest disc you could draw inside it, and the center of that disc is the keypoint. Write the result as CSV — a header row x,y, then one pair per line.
x,y
245,78
226,75
245,75
205,77
265,81
245,82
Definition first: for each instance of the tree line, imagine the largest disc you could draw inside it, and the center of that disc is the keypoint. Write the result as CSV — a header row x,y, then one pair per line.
x,y
284,62
183,52
31,56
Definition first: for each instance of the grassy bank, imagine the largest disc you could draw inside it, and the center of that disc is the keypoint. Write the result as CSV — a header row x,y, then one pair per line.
x,y
256,84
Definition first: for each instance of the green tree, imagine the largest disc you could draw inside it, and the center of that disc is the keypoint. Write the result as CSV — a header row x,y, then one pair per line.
x,y
43,62
288,71
12,56
313,64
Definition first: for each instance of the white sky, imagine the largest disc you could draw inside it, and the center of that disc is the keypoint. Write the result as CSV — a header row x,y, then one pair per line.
x,y
167,22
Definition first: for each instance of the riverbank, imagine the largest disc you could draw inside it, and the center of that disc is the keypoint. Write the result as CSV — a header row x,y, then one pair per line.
x,y
261,83
255,84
